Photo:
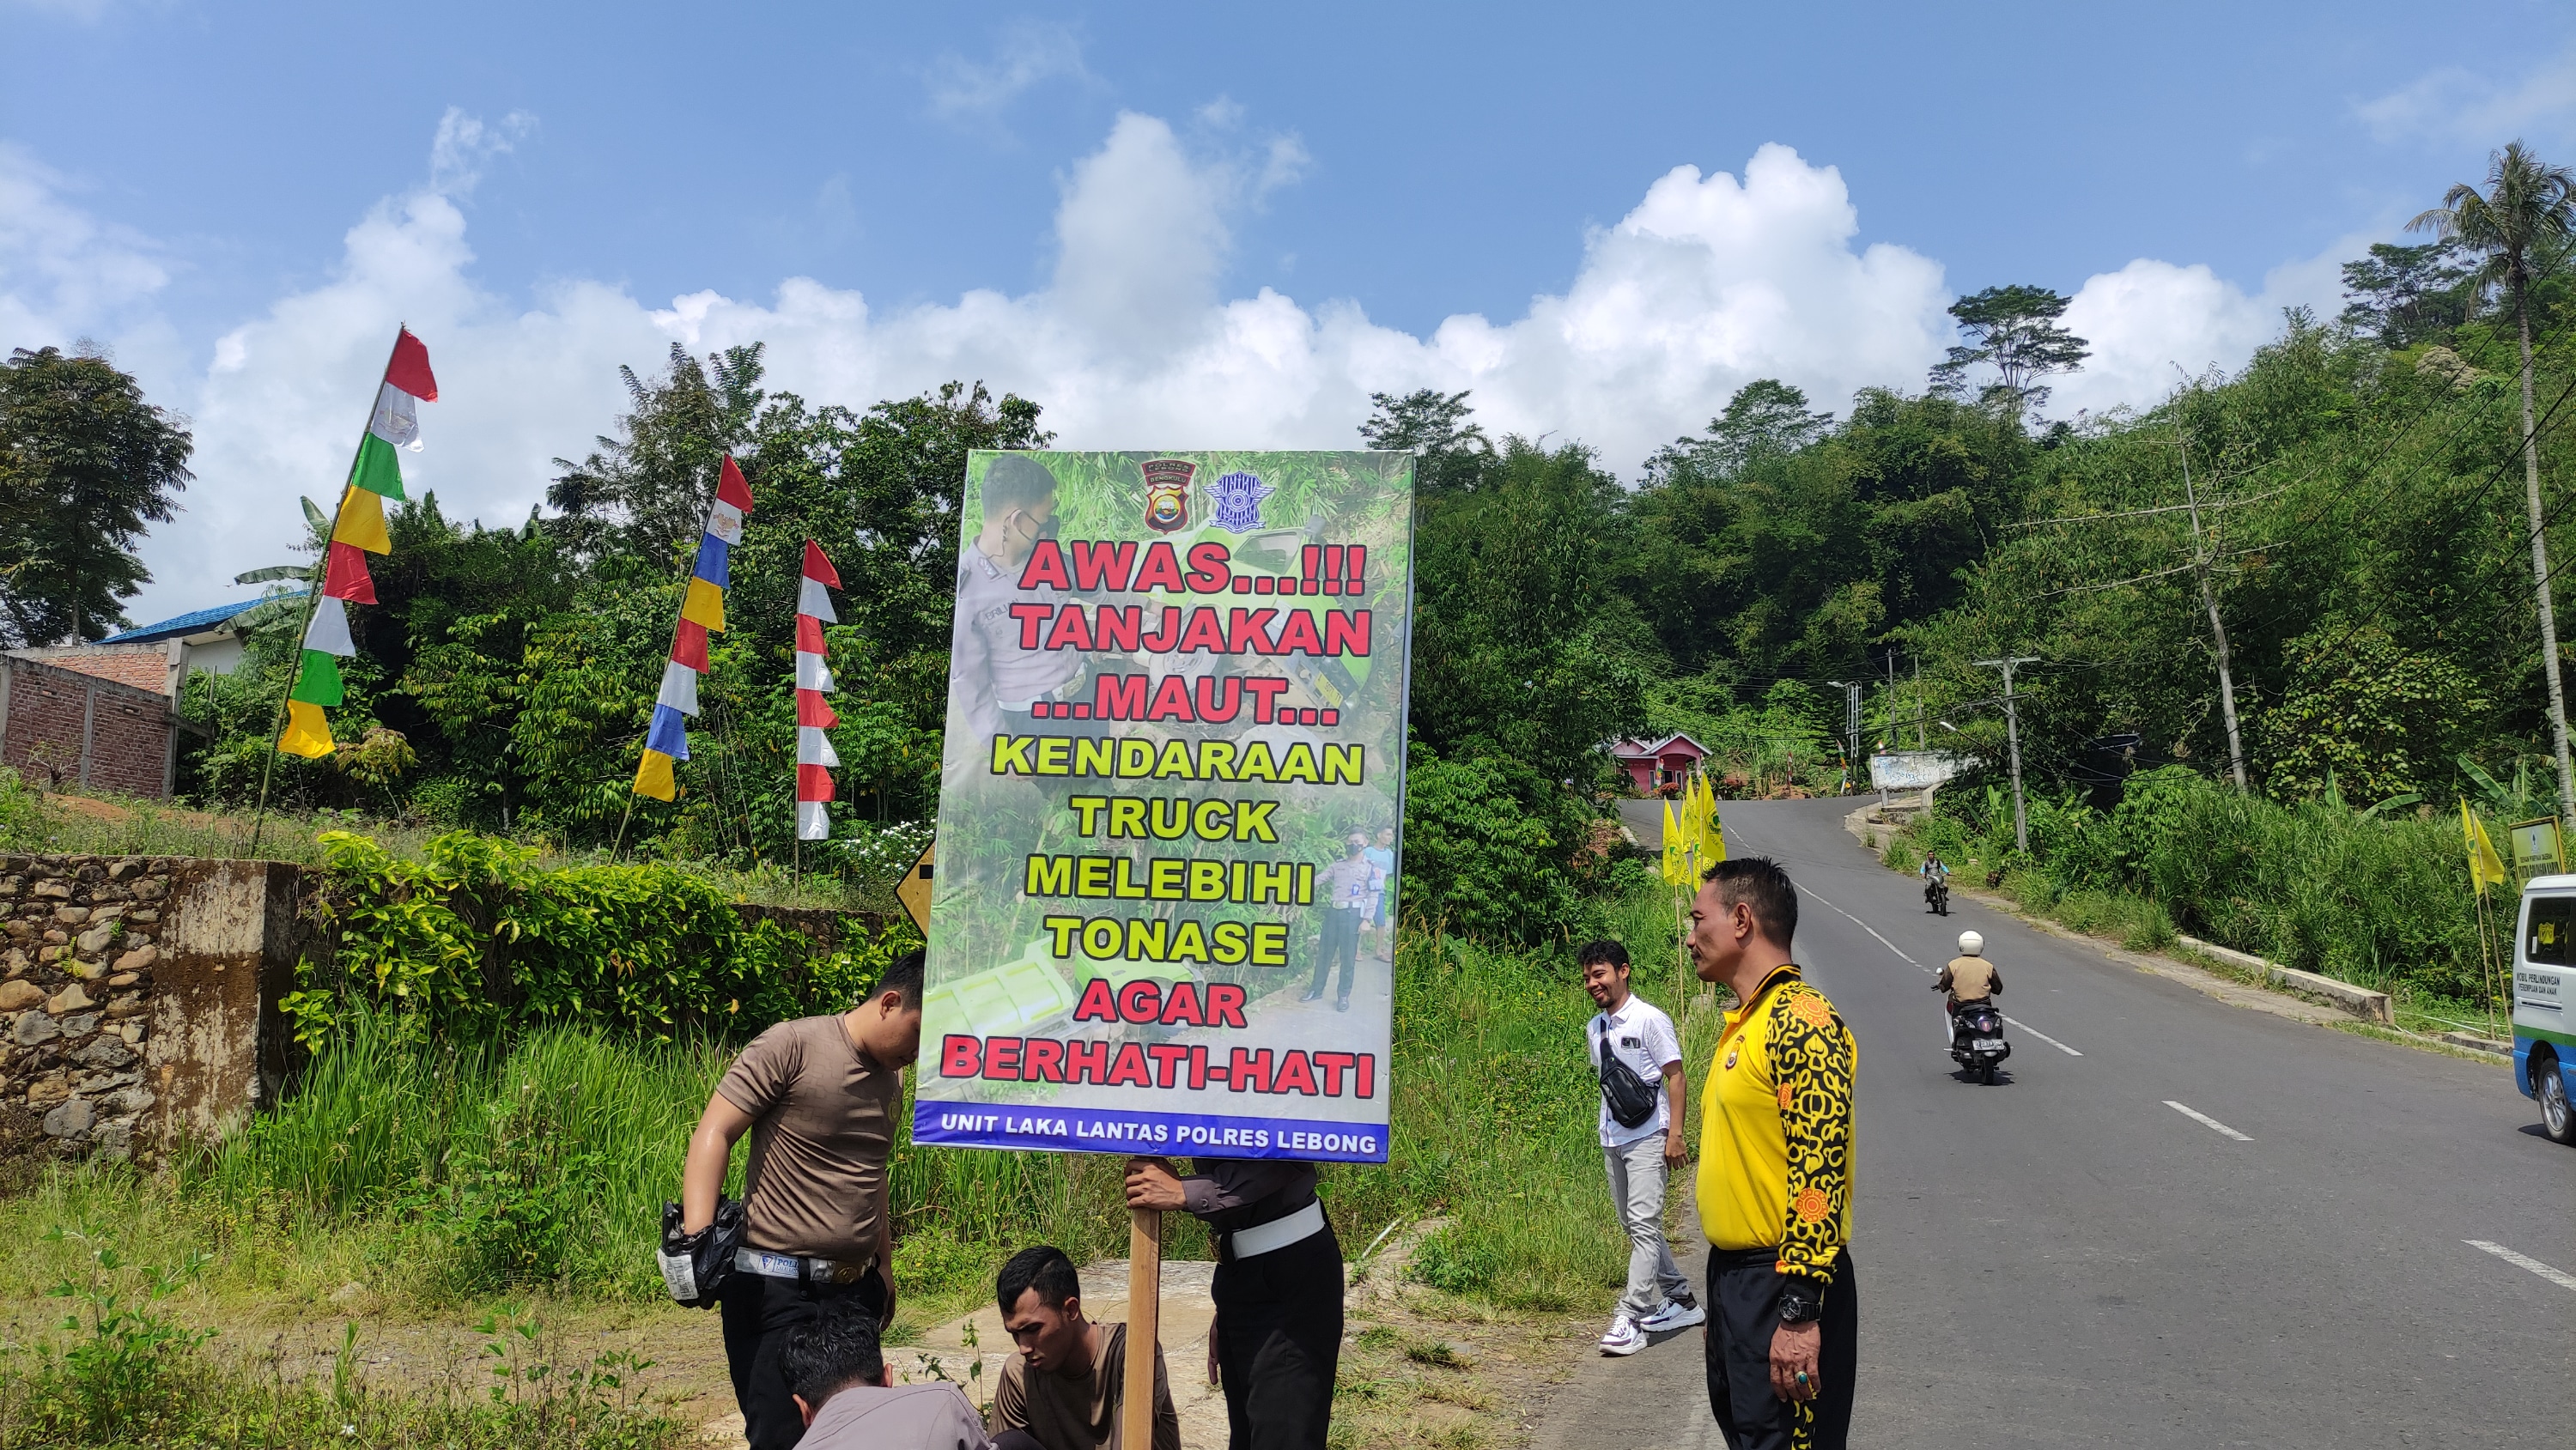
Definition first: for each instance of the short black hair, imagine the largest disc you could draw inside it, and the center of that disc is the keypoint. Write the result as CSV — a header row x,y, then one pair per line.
x,y
904,975
1758,882
1015,480
1604,950
829,1353
1043,1268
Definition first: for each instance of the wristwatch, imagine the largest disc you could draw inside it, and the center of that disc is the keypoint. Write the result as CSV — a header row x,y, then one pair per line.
x,y
1802,1301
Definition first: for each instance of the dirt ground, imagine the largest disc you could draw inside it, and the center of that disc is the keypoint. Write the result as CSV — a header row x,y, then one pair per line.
x,y
1419,1368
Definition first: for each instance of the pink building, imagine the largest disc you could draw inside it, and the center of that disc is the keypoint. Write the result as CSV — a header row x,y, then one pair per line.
x,y
1657,767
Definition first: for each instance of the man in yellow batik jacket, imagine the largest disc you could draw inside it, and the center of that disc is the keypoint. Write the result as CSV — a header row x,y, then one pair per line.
x,y
1775,1175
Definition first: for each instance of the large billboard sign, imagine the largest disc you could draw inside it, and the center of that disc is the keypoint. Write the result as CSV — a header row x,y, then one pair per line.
x,y
1171,806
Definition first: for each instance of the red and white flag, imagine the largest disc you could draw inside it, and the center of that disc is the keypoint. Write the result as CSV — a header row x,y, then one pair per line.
x,y
814,756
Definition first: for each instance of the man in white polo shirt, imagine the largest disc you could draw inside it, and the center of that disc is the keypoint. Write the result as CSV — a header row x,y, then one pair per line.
x,y
1638,1057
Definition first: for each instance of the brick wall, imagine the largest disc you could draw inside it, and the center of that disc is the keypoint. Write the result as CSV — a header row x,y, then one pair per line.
x,y
62,727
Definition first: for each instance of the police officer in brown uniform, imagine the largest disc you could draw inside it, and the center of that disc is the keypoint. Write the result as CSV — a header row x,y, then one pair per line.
x,y
995,679
818,1096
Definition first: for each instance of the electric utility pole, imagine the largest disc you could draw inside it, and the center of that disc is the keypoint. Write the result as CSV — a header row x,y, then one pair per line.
x,y
2012,735
1851,719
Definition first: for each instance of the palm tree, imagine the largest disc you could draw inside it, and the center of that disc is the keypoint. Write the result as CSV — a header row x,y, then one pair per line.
x,y
2529,206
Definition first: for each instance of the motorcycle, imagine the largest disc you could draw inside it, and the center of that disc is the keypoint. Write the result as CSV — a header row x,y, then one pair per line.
x,y
1977,1039
1936,894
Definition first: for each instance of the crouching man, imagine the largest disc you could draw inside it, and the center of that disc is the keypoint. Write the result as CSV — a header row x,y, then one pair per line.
x,y
837,1377
818,1096
1067,1387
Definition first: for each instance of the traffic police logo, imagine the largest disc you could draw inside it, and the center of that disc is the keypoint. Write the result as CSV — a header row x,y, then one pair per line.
x,y
1238,501
1167,494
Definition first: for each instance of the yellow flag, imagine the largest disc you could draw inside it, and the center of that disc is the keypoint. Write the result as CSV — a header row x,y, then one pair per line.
x,y
704,605
653,776
362,522
1676,870
308,733
2485,867
1713,830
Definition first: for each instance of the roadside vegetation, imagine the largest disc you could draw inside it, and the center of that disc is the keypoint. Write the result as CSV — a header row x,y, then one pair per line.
x,y
2378,899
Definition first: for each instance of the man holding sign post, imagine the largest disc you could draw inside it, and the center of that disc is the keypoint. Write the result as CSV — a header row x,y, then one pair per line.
x,y
1137,888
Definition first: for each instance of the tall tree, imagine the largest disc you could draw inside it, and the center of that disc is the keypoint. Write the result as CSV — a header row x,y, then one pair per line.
x,y
2528,209
2015,330
2406,295
647,492
85,463
1437,428
1766,418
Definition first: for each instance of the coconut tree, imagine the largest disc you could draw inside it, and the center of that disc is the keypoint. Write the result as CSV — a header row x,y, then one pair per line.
x,y
2526,215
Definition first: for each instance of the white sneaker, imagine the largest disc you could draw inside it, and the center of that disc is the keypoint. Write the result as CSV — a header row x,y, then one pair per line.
x,y
1624,1337
1676,1314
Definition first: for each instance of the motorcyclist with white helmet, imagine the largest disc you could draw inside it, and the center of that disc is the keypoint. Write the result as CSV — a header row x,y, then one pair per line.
x,y
1969,977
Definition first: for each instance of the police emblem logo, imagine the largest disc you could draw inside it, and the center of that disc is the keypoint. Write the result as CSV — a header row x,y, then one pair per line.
x,y
1238,499
1167,494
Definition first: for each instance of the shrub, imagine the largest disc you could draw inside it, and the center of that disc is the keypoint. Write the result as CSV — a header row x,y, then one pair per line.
x,y
473,938
1488,847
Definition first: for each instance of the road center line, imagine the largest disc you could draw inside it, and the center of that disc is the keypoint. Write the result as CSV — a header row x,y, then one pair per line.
x,y
2561,1279
1891,946
2206,1121
2044,1037
1865,926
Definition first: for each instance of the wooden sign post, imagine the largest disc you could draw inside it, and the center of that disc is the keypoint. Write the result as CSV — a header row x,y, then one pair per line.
x,y
1144,1313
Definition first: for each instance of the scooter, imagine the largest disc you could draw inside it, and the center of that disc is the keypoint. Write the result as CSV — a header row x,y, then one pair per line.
x,y
1936,893
1977,1039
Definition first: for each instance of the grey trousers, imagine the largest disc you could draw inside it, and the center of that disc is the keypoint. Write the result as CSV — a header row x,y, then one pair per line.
x,y
1637,1175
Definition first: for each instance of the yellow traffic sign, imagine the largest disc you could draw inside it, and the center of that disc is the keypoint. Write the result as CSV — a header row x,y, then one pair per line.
x,y
914,890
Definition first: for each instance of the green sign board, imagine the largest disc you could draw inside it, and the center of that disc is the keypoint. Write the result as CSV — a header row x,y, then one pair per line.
x,y
1172,800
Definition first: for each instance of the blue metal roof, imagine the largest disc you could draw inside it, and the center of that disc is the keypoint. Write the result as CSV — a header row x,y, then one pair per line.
x,y
196,623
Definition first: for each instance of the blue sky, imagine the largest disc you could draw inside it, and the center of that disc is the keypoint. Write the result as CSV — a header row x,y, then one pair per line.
x,y
1088,203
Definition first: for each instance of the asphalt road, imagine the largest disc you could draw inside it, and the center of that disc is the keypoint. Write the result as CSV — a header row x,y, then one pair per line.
x,y
2192,1225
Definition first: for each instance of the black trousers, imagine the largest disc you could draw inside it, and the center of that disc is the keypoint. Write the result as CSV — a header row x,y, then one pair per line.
x,y
1279,1342
1743,1314
1341,939
758,1312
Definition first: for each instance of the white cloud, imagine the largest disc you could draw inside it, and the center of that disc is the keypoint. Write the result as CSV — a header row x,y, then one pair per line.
x,y
2151,322
63,271
2453,104
464,145
975,93
1709,282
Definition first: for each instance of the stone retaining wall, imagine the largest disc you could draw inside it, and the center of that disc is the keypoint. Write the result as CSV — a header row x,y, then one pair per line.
x,y
132,997
138,998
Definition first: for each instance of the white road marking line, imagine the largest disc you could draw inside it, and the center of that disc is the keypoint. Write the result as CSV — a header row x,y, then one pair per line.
x,y
2044,1037
1865,926
2206,1121
1891,946
2561,1279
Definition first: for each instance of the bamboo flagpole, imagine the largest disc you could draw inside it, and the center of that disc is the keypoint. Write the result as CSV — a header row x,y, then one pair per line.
x,y
391,423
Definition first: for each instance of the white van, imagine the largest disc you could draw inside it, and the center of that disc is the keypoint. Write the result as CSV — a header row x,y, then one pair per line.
x,y
2544,981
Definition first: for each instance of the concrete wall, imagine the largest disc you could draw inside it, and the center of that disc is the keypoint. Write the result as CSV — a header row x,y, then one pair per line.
x,y
138,999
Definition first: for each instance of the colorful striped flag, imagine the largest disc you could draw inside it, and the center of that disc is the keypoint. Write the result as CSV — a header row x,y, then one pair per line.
x,y
814,755
667,739
357,530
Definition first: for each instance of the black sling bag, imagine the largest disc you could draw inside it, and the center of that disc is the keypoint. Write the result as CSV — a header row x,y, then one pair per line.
x,y
1631,1098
